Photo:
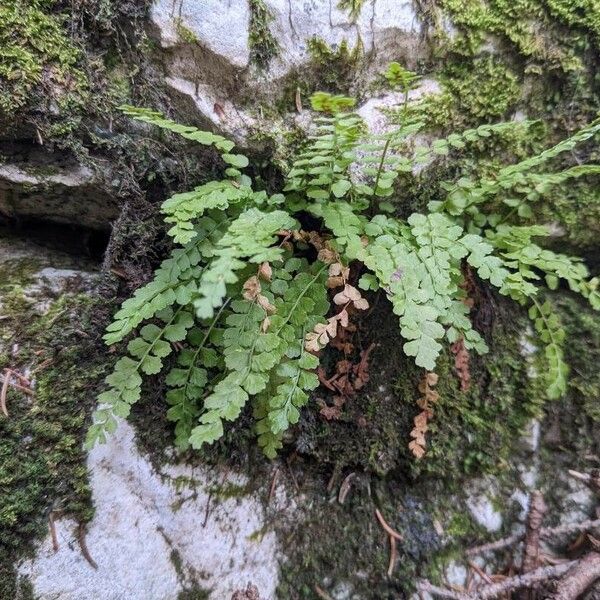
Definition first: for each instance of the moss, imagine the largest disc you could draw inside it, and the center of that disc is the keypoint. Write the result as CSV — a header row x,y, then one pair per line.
x,y
552,48
263,44
185,33
37,57
482,90
578,13
474,90
576,210
194,593
352,7
583,356
471,432
516,23
342,547
336,66
42,463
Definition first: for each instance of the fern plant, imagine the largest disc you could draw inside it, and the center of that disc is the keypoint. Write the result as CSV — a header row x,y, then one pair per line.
x,y
247,313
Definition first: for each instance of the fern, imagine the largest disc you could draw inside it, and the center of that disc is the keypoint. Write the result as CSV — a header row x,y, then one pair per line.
x,y
249,314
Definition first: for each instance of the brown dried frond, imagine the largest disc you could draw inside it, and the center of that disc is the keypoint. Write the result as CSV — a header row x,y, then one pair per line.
x,y
461,364
265,272
426,401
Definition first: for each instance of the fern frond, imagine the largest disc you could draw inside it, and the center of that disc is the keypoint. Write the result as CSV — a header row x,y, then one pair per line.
x,y
547,324
146,354
182,210
249,316
175,281
248,237
206,138
467,193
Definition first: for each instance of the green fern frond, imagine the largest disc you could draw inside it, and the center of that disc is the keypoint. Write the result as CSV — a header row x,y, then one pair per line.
x,y
241,303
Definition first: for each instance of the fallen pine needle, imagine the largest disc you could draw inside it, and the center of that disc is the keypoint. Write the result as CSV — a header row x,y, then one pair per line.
x,y
273,484
391,532
42,365
83,546
322,593
3,393
393,554
345,488
480,572
53,532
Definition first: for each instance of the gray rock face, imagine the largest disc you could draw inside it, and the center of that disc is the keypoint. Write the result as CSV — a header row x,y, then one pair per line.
x,y
152,535
37,185
207,53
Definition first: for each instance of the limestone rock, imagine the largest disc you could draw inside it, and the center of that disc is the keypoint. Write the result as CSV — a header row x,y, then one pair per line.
x,y
38,185
206,51
152,536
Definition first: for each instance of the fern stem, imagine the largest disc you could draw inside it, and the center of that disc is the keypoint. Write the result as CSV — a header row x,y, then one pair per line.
x,y
158,337
201,346
543,316
297,378
300,296
380,169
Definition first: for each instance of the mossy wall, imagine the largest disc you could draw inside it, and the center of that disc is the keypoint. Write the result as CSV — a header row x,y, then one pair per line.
x,y
63,74
42,463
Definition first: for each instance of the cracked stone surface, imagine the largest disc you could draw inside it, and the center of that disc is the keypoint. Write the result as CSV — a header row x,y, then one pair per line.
x,y
207,60
148,536
35,184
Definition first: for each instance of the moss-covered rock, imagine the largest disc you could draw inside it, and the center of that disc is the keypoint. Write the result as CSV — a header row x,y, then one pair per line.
x,y
38,61
48,334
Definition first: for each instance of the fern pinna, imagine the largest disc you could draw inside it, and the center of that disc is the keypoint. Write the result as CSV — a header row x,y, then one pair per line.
x,y
248,313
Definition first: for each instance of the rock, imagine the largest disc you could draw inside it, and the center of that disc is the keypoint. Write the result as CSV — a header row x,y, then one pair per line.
x,y
373,110
221,26
152,536
455,574
482,508
206,51
54,187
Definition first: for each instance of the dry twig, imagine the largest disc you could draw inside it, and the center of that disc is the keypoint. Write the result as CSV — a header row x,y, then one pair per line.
x,y
545,532
578,578
440,592
497,589
535,516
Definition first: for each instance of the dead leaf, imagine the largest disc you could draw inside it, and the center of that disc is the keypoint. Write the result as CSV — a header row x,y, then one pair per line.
x,y
219,111
251,288
426,401
265,271
334,282
326,256
361,304
461,364
264,303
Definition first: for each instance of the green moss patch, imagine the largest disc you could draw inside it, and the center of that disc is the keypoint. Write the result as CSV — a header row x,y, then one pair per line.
x,y
42,463
37,56
263,44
